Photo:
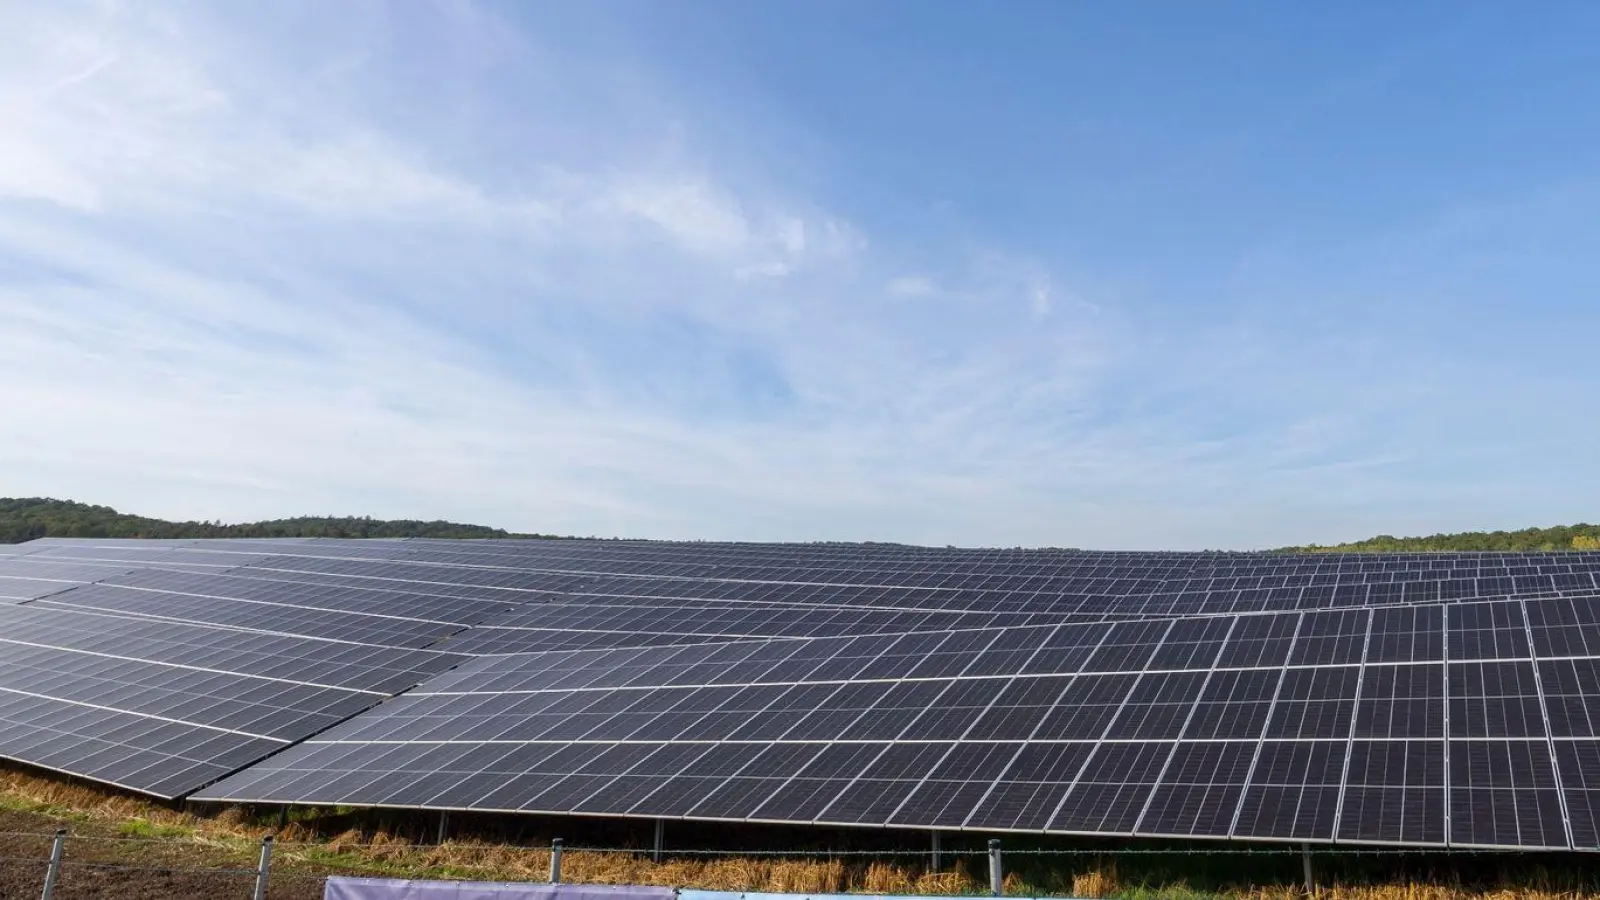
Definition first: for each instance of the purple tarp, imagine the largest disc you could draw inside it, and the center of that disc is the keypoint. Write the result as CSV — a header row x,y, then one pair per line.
x,y
760,895
400,889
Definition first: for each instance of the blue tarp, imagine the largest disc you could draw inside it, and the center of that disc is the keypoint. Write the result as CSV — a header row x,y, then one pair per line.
x,y
339,888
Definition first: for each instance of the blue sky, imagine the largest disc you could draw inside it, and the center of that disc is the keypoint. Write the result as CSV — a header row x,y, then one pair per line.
x,y
1102,275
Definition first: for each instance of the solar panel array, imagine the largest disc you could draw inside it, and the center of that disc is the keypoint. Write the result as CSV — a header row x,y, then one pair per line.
x,y
1439,699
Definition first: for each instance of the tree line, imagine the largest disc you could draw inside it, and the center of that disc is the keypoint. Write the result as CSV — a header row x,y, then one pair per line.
x,y
25,519
1561,537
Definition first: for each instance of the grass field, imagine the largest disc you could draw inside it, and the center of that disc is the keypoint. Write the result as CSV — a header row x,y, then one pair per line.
x,y
118,832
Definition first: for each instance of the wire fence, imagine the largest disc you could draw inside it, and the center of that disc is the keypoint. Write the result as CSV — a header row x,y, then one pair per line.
x,y
263,873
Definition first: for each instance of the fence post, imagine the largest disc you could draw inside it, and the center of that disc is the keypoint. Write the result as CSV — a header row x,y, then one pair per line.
x,y
54,871
997,878
661,838
261,868
935,861
555,861
1305,856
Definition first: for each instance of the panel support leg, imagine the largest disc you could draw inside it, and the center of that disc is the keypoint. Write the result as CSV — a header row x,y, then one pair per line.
x,y
661,838
263,867
444,825
283,817
1305,857
997,879
555,861
54,872
935,861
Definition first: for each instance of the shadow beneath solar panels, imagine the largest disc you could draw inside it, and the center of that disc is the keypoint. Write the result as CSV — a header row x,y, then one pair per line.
x,y
895,861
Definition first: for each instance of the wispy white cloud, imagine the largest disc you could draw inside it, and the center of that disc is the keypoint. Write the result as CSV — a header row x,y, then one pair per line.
x,y
912,286
693,215
1043,301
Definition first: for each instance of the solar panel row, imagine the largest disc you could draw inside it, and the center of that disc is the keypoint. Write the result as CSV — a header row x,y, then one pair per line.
x,y
1200,728
534,571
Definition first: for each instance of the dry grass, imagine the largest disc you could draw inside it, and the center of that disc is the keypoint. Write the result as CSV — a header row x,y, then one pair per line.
x,y
311,846
1096,882
1442,892
1420,891
22,790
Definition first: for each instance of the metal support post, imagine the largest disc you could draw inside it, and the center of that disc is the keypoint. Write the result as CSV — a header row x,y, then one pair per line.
x,y
1305,857
935,862
261,869
54,872
283,817
444,825
661,838
555,861
997,879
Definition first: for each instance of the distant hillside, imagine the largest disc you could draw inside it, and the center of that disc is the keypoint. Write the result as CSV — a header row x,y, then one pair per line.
x,y
1561,537
24,519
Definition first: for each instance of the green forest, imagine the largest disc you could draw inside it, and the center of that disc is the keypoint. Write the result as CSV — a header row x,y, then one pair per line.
x,y
24,519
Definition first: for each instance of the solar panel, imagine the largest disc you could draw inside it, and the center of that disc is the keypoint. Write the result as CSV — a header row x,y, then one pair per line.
x,y
283,616
165,708
1571,692
15,588
1504,793
28,577
1394,793
1579,767
1199,789
1440,699
1294,790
